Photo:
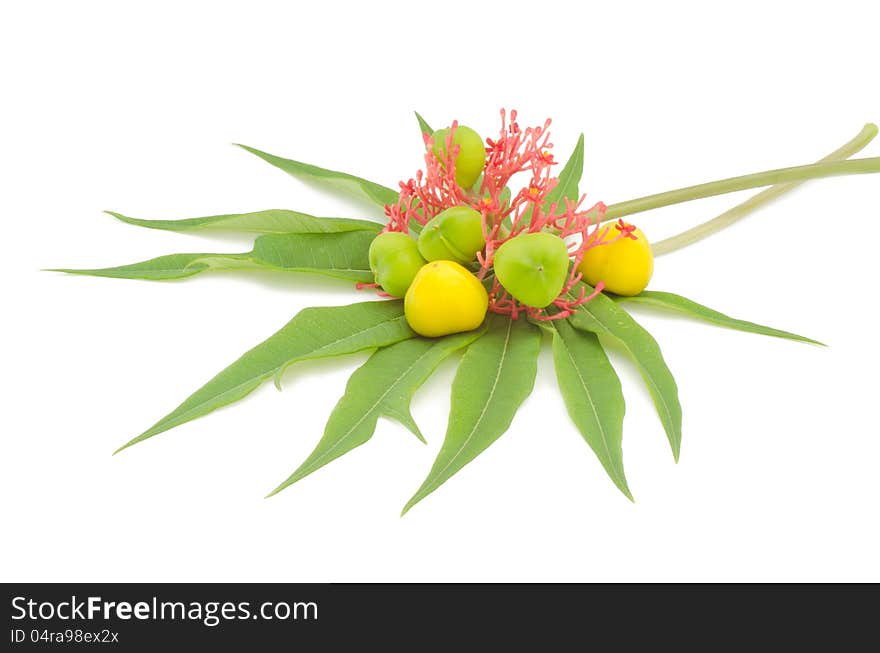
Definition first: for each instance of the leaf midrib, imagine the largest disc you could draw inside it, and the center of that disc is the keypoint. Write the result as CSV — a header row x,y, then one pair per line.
x,y
485,407
267,375
648,377
593,408
563,181
721,319
369,412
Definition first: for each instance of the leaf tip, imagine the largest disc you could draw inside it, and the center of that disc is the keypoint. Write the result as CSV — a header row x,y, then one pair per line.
x,y
247,148
421,438
287,483
274,492
410,425
412,502
290,480
122,448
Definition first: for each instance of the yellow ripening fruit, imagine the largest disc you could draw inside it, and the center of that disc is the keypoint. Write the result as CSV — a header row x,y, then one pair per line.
x,y
445,298
625,265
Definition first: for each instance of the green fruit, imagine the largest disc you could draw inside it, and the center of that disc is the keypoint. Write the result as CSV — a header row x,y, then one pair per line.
x,y
455,234
395,261
533,267
471,153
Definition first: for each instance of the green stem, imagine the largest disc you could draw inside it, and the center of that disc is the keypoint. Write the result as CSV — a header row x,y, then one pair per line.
x,y
734,184
738,212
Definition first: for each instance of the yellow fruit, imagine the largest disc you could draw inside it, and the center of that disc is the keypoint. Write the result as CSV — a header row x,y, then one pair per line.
x,y
445,298
625,265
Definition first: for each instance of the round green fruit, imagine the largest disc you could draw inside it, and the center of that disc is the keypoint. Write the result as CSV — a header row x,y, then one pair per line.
x,y
471,153
455,234
395,261
533,267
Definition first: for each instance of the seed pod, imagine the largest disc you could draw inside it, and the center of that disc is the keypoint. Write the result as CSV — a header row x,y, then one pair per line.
x,y
533,267
625,263
455,234
394,261
471,153
445,298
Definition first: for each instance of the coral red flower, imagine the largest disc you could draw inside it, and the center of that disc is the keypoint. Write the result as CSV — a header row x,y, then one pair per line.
x,y
515,151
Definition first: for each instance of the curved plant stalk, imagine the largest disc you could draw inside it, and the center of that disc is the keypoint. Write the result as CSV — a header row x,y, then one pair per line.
x,y
744,182
738,212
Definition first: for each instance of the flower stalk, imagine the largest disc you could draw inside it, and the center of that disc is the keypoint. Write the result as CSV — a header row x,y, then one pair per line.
x,y
738,212
744,182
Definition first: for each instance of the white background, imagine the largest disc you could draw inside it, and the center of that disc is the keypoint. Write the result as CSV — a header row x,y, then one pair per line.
x,y
115,106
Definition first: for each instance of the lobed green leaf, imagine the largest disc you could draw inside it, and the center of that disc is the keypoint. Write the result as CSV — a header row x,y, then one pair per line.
x,y
682,305
602,315
320,332
592,394
341,255
384,385
496,374
340,181
272,221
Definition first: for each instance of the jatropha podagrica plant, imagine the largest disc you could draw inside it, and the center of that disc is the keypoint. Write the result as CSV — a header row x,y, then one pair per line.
x,y
485,251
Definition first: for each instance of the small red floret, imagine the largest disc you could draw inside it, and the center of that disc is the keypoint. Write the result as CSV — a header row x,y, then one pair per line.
x,y
515,151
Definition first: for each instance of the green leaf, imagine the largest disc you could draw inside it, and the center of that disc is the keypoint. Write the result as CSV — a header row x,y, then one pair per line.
x,y
171,266
603,316
344,255
423,125
384,385
496,374
277,221
592,395
569,177
339,255
319,332
340,181
684,306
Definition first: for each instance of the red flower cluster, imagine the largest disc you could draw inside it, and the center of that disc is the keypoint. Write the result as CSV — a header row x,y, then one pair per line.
x,y
504,215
